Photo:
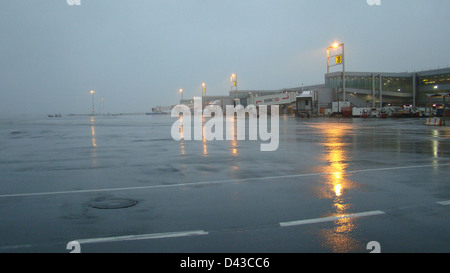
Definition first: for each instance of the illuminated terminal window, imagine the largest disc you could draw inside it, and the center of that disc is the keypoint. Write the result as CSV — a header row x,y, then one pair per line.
x,y
390,84
434,79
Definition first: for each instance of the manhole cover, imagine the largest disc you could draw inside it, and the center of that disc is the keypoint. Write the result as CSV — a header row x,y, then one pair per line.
x,y
113,204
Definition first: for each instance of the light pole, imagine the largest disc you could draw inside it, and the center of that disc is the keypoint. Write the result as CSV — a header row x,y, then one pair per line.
x,y
340,60
204,92
233,80
93,104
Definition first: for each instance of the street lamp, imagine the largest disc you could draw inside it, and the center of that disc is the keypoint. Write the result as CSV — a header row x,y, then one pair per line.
x,y
340,60
93,104
181,93
204,92
233,80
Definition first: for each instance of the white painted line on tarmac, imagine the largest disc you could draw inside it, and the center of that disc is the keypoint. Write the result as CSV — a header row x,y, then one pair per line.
x,y
120,239
142,237
331,219
207,183
444,203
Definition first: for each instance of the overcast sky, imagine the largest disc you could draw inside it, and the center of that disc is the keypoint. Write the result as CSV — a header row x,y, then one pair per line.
x,y
137,54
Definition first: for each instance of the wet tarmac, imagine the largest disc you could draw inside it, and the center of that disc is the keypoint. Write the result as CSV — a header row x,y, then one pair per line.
x,y
333,185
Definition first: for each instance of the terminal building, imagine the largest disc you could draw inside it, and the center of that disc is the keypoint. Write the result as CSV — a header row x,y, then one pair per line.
x,y
375,89
362,89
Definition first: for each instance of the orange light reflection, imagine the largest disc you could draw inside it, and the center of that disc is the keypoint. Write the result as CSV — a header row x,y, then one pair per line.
x,y
183,151
337,182
205,142
94,143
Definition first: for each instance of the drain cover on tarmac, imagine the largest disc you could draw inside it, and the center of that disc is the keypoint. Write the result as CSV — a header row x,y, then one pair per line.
x,y
113,204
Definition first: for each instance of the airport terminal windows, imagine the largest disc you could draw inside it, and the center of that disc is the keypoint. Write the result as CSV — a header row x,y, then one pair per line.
x,y
434,80
359,82
398,84
333,82
389,84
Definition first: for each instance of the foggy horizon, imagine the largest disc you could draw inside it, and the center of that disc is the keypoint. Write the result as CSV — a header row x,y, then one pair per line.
x,y
138,54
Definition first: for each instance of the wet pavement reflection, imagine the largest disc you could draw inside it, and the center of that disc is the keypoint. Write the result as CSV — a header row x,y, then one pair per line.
x,y
335,184
323,168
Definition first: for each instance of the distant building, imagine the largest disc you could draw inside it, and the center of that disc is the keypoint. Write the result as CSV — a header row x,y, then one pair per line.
x,y
375,88
363,89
